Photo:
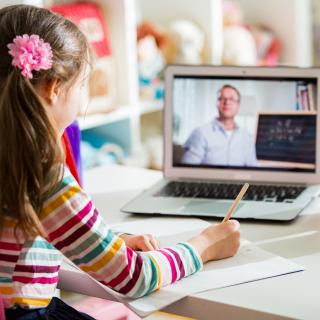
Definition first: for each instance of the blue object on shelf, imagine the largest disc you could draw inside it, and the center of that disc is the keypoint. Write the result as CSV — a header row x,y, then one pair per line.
x,y
93,157
159,92
95,139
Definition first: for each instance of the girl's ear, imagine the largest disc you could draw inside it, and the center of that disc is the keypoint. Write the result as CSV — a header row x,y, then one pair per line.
x,y
50,91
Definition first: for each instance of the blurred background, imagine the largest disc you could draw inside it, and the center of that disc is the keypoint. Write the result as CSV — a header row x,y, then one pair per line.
x,y
133,40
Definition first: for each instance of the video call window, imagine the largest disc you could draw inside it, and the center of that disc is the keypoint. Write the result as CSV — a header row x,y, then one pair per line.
x,y
252,123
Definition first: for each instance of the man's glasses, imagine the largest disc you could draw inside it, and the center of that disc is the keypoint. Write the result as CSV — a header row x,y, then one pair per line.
x,y
232,100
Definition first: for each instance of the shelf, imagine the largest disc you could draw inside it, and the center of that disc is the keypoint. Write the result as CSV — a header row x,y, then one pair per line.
x,y
292,23
150,106
95,120
124,112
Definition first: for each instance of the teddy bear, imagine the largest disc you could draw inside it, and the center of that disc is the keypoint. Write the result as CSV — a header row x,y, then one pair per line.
x,y
239,47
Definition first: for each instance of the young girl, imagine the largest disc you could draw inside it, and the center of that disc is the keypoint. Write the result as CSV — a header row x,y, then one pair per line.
x,y
44,214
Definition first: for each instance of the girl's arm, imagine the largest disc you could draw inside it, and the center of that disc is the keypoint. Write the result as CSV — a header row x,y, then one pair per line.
x,y
76,228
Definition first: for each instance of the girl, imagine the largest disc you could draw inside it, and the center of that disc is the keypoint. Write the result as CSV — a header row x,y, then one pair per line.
x,y
44,214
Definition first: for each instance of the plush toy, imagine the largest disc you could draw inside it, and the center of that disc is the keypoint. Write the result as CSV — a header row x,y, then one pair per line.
x,y
187,41
151,60
239,47
232,13
247,44
268,46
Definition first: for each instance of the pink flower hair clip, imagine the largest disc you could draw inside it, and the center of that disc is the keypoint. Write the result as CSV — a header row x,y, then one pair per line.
x,y
30,53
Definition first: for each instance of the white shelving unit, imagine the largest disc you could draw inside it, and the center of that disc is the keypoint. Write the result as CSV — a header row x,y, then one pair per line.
x,y
207,14
290,20
94,120
122,18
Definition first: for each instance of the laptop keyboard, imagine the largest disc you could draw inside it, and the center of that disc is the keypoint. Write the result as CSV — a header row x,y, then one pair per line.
x,y
256,192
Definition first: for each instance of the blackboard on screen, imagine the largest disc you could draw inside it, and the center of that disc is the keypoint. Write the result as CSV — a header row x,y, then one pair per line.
x,y
286,137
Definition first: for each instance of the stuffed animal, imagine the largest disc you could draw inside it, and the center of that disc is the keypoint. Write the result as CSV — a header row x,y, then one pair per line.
x,y
268,46
247,44
151,60
187,40
239,47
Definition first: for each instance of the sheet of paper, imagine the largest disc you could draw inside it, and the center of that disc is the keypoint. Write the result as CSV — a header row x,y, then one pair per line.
x,y
250,264
161,226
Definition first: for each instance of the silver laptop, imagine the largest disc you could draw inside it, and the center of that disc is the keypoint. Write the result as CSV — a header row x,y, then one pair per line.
x,y
224,126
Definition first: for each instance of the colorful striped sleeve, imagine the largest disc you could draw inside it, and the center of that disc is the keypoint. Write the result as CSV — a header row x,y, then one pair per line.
x,y
76,228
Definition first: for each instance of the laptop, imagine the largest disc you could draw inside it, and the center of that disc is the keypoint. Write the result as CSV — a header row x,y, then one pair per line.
x,y
224,126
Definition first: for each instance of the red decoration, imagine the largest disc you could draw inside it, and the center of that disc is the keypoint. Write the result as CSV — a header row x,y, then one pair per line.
x,y
89,19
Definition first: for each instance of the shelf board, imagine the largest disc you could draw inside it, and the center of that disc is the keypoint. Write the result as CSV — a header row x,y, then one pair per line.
x,y
90,121
150,106
95,120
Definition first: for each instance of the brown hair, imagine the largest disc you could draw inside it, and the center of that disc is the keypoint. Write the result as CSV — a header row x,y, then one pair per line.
x,y
30,150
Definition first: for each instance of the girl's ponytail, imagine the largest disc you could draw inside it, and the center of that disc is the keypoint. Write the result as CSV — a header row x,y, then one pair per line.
x,y
28,151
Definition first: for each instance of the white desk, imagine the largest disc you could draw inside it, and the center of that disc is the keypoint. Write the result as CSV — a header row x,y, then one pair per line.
x,y
292,296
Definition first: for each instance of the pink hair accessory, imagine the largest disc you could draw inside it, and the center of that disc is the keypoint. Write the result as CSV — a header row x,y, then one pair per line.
x,y
30,53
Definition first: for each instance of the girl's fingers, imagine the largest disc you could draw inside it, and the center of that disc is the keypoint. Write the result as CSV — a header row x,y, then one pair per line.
x,y
145,244
155,243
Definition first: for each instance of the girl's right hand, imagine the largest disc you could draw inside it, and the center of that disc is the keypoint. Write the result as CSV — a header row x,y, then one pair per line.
x,y
218,241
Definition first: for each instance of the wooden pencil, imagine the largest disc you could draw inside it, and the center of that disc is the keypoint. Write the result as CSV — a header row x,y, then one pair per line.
x,y
236,202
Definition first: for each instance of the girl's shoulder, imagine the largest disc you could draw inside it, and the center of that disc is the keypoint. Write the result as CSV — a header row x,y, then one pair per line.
x,y
66,178
67,182
67,194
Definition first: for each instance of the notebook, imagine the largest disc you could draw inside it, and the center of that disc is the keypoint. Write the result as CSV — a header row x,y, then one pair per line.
x,y
224,126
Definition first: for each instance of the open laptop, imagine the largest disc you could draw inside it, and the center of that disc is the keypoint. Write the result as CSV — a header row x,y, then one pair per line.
x,y
224,126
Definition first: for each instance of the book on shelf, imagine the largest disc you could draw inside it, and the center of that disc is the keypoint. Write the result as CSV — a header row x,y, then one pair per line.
x,y
90,20
305,99
312,96
305,94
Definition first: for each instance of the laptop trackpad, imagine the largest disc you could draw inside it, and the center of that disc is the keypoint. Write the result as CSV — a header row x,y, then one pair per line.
x,y
209,208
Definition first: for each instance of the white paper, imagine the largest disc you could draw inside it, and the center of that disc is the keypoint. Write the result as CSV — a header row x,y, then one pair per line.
x,y
250,264
161,226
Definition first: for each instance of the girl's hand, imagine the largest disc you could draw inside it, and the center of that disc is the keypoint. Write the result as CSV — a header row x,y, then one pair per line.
x,y
143,242
218,241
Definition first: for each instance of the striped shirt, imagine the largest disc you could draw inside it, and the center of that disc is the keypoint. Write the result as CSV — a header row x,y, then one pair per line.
x,y
29,268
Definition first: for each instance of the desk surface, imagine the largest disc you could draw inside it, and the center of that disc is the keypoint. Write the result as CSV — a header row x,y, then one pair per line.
x,y
290,296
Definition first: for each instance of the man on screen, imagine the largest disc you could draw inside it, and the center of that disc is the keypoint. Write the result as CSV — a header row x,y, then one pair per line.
x,y
222,142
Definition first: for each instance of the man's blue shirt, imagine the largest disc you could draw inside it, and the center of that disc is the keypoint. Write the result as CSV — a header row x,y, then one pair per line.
x,y
211,145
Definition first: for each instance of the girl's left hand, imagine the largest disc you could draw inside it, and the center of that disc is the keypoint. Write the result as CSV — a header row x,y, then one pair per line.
x,y
143,242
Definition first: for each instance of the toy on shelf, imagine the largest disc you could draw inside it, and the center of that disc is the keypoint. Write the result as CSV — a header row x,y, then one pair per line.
x,y
246,44
187,42
96,150
88,16
239,46
151,43
268,46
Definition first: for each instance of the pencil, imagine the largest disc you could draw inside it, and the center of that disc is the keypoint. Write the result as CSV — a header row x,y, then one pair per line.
x,y
236,202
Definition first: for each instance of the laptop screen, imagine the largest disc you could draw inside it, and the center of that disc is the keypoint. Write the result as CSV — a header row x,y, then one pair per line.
x,y
247,123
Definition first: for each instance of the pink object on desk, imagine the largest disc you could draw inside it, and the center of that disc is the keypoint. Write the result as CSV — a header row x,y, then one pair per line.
x,y
99,308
